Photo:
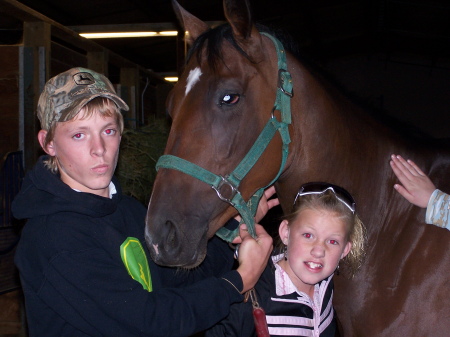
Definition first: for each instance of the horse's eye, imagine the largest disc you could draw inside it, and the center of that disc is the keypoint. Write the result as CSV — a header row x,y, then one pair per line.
x,y
229,99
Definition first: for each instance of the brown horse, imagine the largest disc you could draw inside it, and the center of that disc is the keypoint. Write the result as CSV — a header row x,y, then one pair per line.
x,y
221,104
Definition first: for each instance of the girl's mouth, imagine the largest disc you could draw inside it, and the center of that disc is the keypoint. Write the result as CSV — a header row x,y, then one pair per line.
x,y
313,265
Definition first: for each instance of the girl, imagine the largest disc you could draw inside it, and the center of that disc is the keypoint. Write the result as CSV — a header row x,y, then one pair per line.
x,y
296,288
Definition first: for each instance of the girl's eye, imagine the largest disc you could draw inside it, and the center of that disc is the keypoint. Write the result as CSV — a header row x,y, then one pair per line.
x,y
78,136
334,242
230,99
307,235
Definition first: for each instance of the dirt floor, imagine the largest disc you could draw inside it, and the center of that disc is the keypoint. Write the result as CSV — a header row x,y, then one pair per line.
x,y
11,316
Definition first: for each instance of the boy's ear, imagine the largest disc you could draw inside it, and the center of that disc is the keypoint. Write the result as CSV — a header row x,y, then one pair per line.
x,y
283,231
47,148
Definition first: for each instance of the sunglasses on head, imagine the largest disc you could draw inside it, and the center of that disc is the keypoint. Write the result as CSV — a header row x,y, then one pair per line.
x,y
319,188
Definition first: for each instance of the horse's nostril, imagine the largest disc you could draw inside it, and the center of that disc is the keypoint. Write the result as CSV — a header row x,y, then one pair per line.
x,y
171,241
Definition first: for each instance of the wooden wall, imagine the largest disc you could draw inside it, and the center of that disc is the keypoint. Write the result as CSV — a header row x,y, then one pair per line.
x,y
46,49
9,98
11,324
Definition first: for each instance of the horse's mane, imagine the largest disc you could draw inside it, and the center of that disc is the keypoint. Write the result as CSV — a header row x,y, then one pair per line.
x,y
211,41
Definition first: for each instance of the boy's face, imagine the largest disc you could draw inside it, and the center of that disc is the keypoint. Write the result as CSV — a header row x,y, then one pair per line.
x,y
87,151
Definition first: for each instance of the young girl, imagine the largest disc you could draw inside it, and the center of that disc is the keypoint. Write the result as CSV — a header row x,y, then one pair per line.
x,y
296,288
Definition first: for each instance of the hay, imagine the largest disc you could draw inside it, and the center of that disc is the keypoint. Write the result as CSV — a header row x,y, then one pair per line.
x,y
139,152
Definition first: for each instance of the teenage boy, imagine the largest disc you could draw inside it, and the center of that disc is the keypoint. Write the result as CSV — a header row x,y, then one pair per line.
x,y
82,257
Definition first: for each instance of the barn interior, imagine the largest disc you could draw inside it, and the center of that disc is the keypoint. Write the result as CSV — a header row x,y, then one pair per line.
x,y
392,54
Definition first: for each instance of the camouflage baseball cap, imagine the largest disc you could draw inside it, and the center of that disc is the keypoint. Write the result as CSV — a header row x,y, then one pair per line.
x,y
70,91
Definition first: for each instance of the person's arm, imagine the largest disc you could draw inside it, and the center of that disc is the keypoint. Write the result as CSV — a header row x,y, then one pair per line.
x,y
253,255
100,300
238,323
416,187
438,212
91,290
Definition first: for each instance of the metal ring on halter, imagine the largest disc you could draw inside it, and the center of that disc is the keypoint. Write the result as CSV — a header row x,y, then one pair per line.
x,y
225,182
236,251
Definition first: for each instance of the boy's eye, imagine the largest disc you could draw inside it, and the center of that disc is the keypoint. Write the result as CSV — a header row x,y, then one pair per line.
x,y
110,131
78,135
307,235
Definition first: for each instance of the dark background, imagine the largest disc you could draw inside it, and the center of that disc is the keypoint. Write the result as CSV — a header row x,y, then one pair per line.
x,y
393,54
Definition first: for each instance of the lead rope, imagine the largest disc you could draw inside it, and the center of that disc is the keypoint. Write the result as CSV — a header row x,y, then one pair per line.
x,y
259,315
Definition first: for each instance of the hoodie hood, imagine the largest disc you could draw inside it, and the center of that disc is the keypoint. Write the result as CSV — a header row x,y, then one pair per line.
x,y
44,193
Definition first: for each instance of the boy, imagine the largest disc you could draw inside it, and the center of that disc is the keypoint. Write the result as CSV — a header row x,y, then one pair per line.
x,y
82,258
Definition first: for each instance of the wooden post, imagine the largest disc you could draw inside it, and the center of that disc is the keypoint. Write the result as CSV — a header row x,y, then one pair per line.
x,y
34,69
98,61
129,79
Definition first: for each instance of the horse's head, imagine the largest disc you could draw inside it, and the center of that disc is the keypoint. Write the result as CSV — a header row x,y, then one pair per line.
x,y
220,105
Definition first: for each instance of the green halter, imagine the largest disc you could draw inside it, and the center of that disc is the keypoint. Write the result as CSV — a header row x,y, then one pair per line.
x,y
247,210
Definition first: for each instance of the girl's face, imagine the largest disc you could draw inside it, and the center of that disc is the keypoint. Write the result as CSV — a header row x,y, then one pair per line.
x,y
316,240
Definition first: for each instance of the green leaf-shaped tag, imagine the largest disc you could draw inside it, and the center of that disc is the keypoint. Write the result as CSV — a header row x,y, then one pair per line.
x,y
135,261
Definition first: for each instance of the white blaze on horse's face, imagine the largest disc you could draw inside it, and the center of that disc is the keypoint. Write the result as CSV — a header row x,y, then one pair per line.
x,y
194,77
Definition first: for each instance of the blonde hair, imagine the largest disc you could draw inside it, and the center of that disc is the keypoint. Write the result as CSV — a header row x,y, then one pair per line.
x,y
356,233
104,106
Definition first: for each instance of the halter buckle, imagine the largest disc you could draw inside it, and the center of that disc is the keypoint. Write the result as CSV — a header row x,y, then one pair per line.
x,y
225,182
281,82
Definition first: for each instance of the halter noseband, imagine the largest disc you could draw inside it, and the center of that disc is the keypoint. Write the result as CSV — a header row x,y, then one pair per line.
x,y
247,210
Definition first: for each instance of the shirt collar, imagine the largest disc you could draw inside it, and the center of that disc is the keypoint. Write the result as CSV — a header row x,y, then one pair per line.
x,y
112,189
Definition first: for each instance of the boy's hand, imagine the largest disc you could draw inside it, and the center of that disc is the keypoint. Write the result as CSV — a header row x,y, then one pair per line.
x,y
253,255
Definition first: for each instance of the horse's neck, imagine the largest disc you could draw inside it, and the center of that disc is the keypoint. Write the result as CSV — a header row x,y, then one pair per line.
x,y
336,141
333,140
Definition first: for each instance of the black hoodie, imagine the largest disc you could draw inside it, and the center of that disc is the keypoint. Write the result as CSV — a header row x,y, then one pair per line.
x,y
75,282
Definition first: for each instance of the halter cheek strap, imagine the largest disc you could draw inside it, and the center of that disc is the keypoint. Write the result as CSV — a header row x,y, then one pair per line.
x,y
248,209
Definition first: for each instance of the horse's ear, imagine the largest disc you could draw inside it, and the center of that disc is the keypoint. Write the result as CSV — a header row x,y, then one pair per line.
x,y
238,15
192,26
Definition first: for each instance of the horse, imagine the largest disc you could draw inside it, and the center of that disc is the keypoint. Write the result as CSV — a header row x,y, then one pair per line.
x,y
220,106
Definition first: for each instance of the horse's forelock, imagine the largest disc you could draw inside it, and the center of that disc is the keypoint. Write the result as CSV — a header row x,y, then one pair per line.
x,y
212,41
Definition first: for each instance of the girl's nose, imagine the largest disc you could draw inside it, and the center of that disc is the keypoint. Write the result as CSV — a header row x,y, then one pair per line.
x,y
318,250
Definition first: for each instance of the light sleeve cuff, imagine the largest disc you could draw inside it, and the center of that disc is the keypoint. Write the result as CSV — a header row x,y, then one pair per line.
x,y
438,210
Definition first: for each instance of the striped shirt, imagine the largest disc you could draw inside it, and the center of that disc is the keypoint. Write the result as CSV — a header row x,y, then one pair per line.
x,y
288,312
282,311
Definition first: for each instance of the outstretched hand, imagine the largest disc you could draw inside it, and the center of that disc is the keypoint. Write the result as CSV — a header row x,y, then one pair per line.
x,y
253,255
265,203
415,185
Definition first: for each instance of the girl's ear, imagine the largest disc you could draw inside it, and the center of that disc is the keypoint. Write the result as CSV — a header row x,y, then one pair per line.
x,y
283,231
347,249
48,148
